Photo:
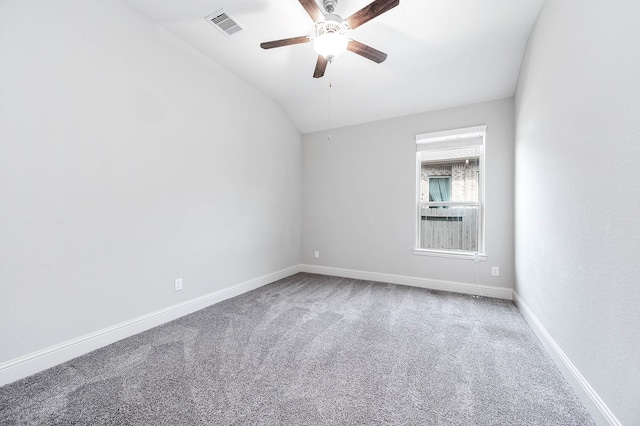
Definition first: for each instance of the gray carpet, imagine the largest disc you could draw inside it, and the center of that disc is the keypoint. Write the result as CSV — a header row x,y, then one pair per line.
x,y
313,350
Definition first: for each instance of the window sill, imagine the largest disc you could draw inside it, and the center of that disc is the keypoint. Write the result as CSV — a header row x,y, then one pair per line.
x,y
450,254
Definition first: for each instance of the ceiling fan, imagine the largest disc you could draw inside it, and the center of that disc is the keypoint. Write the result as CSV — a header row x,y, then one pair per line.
x,y
330,40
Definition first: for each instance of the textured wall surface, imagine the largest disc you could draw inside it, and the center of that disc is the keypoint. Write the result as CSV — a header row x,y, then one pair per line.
x,y
577,194
123,165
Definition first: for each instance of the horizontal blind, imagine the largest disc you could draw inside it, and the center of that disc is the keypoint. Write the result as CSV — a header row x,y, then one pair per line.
x,y
449,139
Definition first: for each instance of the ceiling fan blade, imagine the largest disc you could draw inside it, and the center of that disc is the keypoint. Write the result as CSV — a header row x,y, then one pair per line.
x,y
366,51
370,11
312,9
285,42
321,66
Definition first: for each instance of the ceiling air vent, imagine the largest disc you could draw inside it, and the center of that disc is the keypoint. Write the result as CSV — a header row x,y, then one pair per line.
x,y
224,22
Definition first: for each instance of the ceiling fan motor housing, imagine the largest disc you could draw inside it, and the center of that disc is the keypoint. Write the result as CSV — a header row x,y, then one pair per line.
x,y
330,5
331,24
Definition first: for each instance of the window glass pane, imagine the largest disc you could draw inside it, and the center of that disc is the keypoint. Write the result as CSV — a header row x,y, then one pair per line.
x,y
451,181
451,228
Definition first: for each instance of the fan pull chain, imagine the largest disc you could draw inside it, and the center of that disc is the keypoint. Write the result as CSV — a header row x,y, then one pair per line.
x,y
329,112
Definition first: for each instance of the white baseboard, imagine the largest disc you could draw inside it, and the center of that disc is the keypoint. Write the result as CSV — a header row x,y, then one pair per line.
x,y
455,287
598,409
46,358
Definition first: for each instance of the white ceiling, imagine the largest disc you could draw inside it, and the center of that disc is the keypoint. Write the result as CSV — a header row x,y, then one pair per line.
x,y
441,53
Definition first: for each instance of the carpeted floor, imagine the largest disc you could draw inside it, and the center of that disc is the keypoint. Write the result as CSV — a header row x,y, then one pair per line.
x,y
313,350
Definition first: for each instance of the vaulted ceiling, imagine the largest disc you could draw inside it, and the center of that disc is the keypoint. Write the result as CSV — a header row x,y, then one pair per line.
x,y
441,53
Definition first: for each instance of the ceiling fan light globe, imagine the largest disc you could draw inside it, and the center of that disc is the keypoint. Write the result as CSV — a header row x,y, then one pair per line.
x,y
330,45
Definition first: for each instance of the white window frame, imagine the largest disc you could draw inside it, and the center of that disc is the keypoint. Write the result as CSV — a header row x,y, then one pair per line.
x,y
442,140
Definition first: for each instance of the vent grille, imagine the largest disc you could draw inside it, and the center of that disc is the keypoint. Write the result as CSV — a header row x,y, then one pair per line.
x,y
222,21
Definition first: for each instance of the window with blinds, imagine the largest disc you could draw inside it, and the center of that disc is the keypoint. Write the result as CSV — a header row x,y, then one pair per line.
x,y
450,188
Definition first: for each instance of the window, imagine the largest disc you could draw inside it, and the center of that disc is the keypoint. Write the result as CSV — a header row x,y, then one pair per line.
x,y
439,188
450,188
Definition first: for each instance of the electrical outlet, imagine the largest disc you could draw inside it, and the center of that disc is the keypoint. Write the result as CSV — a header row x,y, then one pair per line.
x,y
177,284
495,271
316,254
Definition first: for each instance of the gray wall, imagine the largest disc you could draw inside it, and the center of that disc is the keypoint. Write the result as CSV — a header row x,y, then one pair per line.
x,y
123,166
359,195
578,193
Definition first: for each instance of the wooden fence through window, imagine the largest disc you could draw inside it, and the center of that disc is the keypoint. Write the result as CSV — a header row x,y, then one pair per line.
x,y
449,228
